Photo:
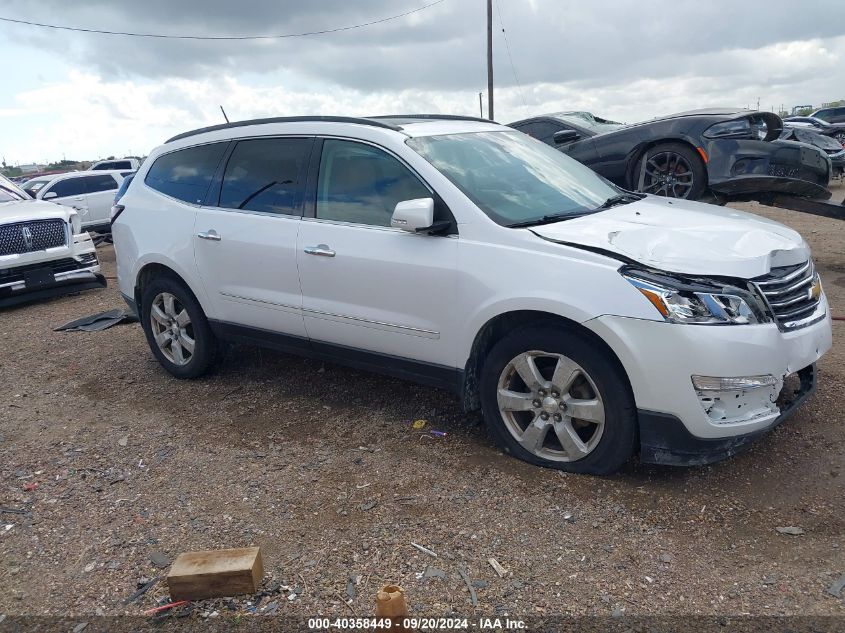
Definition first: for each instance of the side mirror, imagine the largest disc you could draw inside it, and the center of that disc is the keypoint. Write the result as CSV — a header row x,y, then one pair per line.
x,y
413,215
565,136
50,195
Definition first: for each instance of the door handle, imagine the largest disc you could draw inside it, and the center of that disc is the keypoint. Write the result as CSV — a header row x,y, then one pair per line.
x,y
211,234
320,249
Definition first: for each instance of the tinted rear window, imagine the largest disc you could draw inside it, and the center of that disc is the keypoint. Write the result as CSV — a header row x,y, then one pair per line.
x,y
186,173
265,175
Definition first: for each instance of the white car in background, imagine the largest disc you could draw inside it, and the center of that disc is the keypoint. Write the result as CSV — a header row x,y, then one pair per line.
x,y
91,193
43,250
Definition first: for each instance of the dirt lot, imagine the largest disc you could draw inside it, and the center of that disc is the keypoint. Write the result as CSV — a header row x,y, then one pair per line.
x,y
112,461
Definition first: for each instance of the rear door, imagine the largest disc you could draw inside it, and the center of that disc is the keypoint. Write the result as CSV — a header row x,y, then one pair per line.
x,y
99,193
245,237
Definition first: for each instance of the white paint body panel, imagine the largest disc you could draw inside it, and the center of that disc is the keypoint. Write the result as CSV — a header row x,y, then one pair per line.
x,y
385,290
426,298
686,237
250,275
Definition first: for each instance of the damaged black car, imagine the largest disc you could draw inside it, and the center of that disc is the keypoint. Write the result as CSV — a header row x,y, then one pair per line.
x,y
694,155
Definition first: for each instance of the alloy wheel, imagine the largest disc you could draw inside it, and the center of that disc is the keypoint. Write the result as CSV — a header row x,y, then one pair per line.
x,y
551,406
172,328
668,174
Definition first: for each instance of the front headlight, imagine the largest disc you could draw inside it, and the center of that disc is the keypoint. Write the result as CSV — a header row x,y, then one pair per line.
x,y
739,128
75,223
698,305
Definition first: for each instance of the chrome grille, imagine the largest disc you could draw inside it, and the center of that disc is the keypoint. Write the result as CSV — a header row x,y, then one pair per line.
x,y
787,289
27,237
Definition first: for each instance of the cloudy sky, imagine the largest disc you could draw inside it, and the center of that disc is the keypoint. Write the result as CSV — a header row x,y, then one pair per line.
x,y
85,96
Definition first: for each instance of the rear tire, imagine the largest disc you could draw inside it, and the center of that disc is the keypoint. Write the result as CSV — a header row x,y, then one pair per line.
x,y
672,170
578,414
177,329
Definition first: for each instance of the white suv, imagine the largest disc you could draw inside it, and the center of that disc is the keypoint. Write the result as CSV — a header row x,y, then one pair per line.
x,y
91,193
43,250
588,323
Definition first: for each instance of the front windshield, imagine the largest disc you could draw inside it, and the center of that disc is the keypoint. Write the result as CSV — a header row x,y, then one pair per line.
x,y
513,178
32,187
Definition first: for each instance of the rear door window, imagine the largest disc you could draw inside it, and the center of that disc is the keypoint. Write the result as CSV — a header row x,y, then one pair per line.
x,y
186,173
67,187
266,175
95,184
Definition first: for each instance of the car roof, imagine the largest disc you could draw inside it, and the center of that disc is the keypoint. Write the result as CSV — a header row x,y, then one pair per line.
x,y
89,172
407,124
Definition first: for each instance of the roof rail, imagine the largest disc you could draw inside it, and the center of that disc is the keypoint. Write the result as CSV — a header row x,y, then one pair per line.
x,y
445,117
283,119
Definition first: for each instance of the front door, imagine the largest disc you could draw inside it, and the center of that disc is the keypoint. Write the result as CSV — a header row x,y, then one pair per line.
x,y
245,241
365,285
69,192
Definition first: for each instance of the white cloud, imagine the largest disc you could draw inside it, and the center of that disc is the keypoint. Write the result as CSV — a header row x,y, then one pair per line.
x,y
89,96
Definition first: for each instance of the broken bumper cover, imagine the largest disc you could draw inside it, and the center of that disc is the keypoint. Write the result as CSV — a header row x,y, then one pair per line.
x,y
744,168
33,282
660,360
665,440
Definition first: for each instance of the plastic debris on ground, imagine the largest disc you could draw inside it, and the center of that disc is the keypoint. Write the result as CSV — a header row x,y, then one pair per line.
x,y
98,322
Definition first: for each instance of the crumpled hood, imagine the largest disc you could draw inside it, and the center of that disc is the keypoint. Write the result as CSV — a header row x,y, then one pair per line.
x,y
685,237
23,210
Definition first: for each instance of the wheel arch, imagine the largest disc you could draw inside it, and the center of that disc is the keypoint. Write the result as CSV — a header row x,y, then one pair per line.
x,y
641,149
153,269
500,326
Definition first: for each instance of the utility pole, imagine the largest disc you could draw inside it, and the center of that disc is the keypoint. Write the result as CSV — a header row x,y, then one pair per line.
x,y
490,59
480,105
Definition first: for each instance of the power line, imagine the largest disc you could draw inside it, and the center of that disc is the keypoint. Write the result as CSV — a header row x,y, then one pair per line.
x,y
222,37
508,49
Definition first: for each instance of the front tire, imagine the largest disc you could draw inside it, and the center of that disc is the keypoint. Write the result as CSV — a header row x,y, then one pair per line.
x,y
554,398
176,328
672,170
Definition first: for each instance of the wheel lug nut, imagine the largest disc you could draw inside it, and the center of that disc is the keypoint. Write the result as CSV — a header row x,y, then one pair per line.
x,y
542,392
555,394
544,416
537,403
558,418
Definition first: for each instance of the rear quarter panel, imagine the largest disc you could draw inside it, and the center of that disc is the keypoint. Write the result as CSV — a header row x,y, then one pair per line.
x,y
155,229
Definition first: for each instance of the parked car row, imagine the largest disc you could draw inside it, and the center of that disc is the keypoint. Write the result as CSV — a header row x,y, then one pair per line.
x,y
587,322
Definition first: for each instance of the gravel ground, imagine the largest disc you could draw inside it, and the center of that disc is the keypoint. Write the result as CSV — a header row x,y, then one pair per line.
x,y
115,464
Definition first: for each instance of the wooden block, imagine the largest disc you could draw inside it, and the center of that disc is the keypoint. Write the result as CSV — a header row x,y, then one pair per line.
x,y
215,574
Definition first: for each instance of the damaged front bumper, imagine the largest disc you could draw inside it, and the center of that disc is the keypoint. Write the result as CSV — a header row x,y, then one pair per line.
x,y
745,168
682,425
665,440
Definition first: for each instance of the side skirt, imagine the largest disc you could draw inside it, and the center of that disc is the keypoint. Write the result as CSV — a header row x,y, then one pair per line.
x,y
441,376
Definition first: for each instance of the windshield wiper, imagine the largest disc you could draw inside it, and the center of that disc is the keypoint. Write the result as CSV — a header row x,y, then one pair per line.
x,y
622,198
547,219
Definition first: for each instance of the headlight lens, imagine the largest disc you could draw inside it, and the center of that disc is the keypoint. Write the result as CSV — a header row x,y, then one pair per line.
x,y
75,223
740,128
695,307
